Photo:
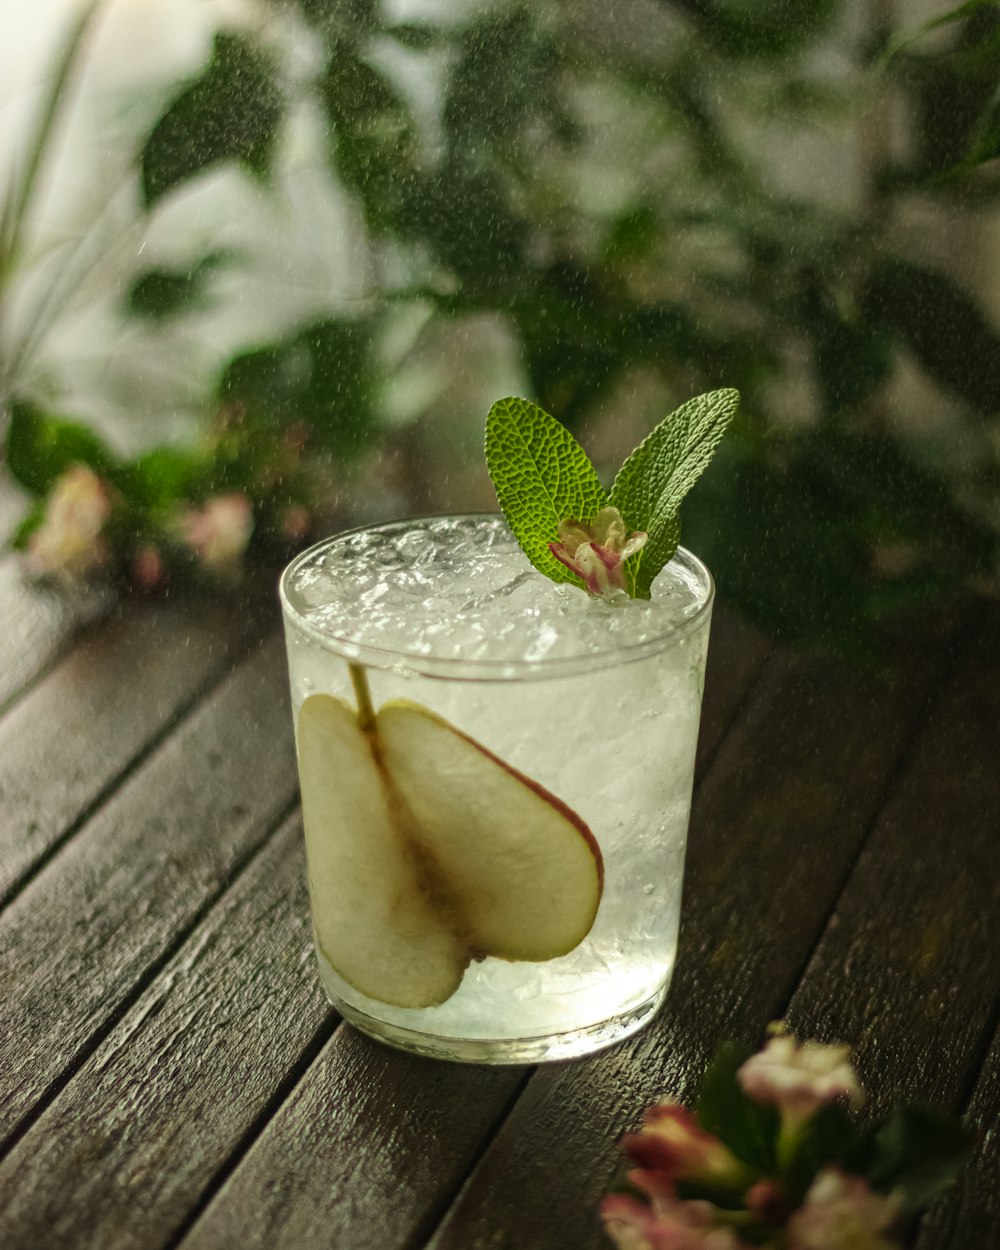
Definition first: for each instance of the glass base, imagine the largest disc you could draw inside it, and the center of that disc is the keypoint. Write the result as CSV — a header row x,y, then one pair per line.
x,y
508,1050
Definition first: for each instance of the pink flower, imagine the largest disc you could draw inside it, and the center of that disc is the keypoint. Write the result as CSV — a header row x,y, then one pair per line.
x,y
799,1077
632,1225
597,552
294,523
672,1144
840,1212
148,568
69,543
219,531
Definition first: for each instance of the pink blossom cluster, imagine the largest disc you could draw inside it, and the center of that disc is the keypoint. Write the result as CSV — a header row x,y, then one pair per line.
x,y
673,1156
72,541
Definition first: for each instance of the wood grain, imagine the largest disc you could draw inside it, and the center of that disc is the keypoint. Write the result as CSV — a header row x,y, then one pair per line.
x,y
737,653
118,897
900,972
970,1215
38,626
64,745
780,818
129,1145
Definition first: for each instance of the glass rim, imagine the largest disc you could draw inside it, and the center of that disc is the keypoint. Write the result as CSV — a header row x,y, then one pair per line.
x,y
461,669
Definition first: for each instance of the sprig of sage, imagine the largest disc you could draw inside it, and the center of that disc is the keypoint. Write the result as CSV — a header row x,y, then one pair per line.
x,y
543,476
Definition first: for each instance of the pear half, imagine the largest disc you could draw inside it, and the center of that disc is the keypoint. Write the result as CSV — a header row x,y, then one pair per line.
x,y
427,851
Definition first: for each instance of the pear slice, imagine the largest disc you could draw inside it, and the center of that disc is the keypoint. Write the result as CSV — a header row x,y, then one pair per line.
x,y
374,917
522,871
427,851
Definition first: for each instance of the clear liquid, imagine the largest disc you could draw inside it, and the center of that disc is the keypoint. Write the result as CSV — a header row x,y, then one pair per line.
x,y
615,740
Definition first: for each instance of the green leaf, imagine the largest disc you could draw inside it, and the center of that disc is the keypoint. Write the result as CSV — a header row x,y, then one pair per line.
x,y
542,476
157,294
659,473
40,447
319,376
947,331
748,1128
27,525
825,1140
373,138
161,477
231,113
918,1153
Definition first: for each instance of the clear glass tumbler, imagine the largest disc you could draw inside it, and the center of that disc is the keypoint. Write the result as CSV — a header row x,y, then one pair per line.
x,y
496,775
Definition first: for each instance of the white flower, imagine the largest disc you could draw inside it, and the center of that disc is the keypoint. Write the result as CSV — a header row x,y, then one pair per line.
x,y
597,551
69,543
799,1077
840,1212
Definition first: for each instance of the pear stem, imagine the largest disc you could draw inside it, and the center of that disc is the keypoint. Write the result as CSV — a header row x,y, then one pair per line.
x,y
363,694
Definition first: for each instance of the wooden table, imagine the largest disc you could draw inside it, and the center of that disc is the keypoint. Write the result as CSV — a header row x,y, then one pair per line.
x,y
171,1075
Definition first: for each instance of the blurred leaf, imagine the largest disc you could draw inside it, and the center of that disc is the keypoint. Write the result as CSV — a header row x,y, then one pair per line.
x,y
41,447
824,1141
319,376
760,28
942,325
416,35
985,144
918,1154
231,113
906,38
850,357
632,235
954,92
338,19
748,1128
373,139
466,219
162,477
506,73
27,525
157,294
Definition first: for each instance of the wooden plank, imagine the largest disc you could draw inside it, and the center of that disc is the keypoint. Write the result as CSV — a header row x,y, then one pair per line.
x,y
970,1215
38,626
127,1148
371,1146
737,653
790,776
114,901
900,972
64,745
367,1150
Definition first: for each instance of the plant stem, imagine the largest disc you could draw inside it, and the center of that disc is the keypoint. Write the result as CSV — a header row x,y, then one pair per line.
x,y
363,694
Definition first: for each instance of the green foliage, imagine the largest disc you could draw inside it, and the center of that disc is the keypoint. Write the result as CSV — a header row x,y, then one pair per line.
x,y
748,1128
41,447
495,186
760,28
231,113
940,323
659,473
158,294
542,476
917,1153
318,377
372,138
955,89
